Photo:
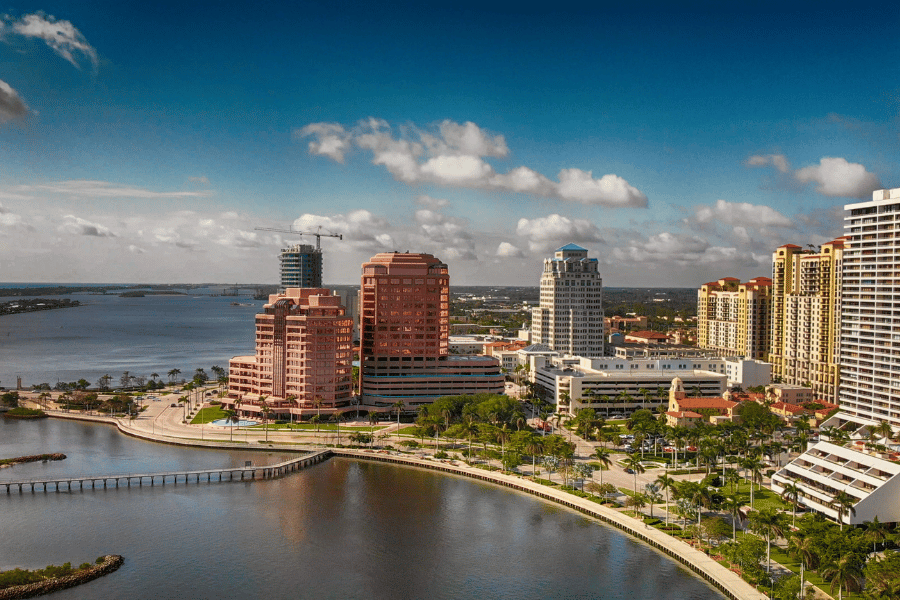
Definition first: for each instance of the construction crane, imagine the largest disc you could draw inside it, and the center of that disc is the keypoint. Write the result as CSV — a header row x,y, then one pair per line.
x,y
318,233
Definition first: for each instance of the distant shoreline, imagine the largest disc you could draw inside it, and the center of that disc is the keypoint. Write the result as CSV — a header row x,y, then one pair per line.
x,y
16,307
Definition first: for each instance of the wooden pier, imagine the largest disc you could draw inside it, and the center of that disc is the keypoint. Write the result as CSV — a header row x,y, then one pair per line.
x,y
205,475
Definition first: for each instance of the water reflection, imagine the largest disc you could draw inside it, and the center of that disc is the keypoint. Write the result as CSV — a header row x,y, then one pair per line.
x,y
340,529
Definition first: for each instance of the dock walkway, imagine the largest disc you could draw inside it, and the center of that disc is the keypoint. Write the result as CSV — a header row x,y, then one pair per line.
x,y
205,475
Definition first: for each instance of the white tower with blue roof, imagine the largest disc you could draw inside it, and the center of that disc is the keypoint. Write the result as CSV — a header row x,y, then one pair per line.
x,y
570,317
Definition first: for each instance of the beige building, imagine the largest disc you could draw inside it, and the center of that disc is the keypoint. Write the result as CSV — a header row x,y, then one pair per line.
x,y
570,317
806,304
733,317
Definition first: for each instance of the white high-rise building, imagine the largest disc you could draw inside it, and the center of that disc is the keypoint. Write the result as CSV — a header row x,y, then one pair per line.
x,y
847,460
570,317
870,310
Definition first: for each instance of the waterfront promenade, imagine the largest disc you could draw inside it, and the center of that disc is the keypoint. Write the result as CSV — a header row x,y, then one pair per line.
x,y
163,423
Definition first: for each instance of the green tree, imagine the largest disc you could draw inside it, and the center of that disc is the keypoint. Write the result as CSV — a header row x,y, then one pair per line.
x,y
769,524
844,503
232,418
666,484
633,462
791,494
844,574
604,458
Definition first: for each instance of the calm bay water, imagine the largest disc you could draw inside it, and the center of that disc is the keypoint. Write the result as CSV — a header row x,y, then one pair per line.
x,y
109,335
341,529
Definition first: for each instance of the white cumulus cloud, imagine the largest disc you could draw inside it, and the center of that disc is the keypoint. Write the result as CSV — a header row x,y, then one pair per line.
x,y
741,214
509,251
555,230
836,177
11,104
78,226
453,155
63,37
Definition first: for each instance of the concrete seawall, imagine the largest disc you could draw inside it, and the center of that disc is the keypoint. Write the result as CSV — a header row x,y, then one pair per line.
x,y
723,579
726,581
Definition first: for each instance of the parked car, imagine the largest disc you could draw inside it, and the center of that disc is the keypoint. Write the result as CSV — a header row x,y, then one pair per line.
x,y
629,471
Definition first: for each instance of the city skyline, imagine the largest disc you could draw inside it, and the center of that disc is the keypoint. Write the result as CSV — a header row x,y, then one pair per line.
x,y
677,144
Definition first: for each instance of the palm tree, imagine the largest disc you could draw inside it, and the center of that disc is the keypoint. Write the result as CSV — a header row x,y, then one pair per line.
x,y
154,376
604,457
317,402
733,505
804,548
754,465
844,503
633,462
337,418
173,373
503,436
231,417
399,406
768,523
791,493
534,446
845,574
266,413
665,484
875,531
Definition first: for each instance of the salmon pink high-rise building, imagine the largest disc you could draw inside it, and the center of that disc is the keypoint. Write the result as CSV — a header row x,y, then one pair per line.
x,y
405,332
303,357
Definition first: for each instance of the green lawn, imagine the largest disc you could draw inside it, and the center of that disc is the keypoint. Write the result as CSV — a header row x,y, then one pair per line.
x,y
208,414
762,498
782,557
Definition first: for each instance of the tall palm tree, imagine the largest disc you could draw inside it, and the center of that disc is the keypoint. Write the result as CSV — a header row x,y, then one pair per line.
x,y
399,406
665,483
173,373
844,574
534,446
633,462
754,465
769,523
232,418
469,427
337,418
791,493
804,548
875,531
503,434
317,402
733,505
604,457
266,413
844,503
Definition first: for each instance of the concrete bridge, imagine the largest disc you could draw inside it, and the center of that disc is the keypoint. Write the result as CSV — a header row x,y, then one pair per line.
x,y
205,475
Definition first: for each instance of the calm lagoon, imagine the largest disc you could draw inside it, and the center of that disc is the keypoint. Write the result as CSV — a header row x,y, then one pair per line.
x,y
340,529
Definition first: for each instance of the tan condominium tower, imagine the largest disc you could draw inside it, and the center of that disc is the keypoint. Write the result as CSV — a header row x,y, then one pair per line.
x,y
870,313
570,316
806,311
733,317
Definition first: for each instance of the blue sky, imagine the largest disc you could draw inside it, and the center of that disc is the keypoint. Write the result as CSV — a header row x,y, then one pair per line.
x,y
145,143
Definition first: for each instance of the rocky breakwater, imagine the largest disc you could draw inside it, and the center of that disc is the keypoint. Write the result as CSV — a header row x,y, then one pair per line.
x,y
8,462
109,563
